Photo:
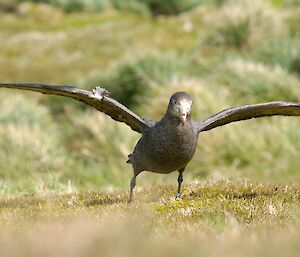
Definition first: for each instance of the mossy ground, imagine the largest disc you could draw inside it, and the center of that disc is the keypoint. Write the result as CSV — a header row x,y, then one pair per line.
x,y
229,217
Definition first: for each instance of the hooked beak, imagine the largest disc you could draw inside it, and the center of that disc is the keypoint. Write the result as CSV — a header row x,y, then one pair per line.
x,y
184,110
183,117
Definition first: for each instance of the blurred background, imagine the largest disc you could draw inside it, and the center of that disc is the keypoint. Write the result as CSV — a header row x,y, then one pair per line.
x,y
224,53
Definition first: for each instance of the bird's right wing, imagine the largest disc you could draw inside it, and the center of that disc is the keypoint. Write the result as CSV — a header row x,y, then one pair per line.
x,y
98,99
249,112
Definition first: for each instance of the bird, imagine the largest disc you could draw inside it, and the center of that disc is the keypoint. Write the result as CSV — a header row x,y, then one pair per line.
x,y
169,144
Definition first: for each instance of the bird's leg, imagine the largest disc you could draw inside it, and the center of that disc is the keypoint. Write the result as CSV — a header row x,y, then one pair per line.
x,y
180,179
132,185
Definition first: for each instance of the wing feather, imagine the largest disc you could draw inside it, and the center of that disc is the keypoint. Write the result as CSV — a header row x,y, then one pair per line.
x,y
103,103
249,112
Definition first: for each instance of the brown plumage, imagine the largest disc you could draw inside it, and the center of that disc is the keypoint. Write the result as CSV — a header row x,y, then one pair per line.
x,y
169,144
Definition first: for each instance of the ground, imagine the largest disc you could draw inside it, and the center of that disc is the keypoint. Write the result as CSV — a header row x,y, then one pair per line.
x,y
212,218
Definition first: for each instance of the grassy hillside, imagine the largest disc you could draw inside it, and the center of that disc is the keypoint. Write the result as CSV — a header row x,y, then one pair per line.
x,y
63,176
222,54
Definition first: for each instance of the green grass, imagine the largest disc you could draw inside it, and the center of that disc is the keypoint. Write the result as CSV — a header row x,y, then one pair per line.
x,y
144,7
142,61
63,177
132,82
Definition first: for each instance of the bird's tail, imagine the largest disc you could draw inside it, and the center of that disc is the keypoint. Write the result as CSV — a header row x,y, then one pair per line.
x,y
129,158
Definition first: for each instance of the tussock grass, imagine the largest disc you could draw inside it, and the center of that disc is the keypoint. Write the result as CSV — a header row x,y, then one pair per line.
x,y
257,82
144,7
29,144
281,51
101,163
86,151
131,82
233,152
241,24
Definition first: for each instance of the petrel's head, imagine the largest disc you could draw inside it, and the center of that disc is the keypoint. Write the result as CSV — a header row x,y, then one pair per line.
x,y
180,106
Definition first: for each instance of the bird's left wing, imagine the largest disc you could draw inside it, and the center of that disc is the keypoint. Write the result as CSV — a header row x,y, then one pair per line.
x,y
97,98
249,112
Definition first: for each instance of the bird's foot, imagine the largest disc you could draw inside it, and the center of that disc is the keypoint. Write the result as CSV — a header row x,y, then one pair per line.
x,y
130,201
178,196
100,92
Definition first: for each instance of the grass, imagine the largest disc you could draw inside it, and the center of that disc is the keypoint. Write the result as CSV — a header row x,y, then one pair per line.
x,y
235,216
131,82
240,24
63,177
144,7
167,54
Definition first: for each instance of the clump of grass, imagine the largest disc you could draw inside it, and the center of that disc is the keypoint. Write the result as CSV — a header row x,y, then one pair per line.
x,y
154,7
255,82
102,146
285,2
281,51
170,7
82,5
134,6
131,82
8,5
30,143
75,5
231,151
19,109
241,24
292,21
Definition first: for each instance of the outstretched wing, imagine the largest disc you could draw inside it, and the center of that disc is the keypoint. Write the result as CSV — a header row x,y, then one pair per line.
x,y
249,112
97,99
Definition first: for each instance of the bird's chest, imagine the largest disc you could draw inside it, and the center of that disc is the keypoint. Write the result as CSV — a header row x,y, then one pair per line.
x,y
173,142
170,148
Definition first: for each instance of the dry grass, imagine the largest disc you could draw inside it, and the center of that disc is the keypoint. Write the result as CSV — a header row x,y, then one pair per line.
x,y
221,217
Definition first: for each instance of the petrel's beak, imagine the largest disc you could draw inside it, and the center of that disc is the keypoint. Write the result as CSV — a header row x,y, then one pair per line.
x,y
184,110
